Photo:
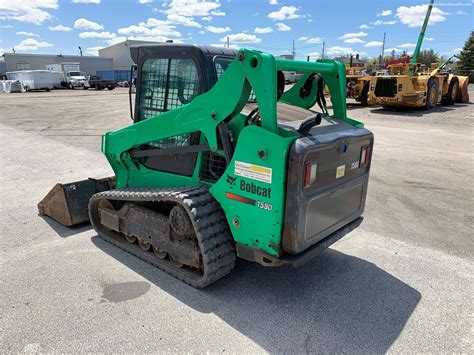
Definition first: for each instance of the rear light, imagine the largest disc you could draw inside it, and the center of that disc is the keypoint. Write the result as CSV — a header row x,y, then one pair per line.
x,y
365,155
310,170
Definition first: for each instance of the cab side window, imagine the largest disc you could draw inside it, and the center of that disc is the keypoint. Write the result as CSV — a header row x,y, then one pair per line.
x,y
166,84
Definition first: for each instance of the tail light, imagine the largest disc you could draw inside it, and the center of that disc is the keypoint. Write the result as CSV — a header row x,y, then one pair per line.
x,y
365,155
310,170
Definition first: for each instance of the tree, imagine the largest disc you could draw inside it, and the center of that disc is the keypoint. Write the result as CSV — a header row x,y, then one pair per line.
x,y
427,57
393,54
466,58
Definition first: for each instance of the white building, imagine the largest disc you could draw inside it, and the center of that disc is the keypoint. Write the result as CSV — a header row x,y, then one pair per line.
x,y
120,53
21,61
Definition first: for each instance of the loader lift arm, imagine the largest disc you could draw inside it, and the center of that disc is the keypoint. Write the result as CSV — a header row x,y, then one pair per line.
x,y
250,70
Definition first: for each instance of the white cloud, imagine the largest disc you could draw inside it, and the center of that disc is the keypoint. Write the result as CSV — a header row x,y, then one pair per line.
x,y
461,12
303,38
31,44
190,8
218,13
390,50
384,13
206,18
29,34
373,44
85,24
353,35
94,50
2,51
407,45
104,35
86,1
6,26
315,40
413,16
336,50
280,26
213,29
429,39
364,27
241,38
314,55
60,28
262,30
273,2
353,40
145,1
380,22
222,45
31,11
182,20
152,28
285,13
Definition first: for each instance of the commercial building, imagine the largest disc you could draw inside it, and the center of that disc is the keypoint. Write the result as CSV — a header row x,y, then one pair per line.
x,y
120,52
90,65
113,62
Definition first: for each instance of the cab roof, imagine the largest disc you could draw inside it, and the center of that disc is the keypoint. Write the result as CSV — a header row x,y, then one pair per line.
x,y
179,47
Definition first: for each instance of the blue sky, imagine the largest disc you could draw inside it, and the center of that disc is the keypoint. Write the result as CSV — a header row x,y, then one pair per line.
x,y
60,26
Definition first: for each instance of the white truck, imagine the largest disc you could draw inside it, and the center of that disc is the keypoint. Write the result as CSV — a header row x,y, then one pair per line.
x,y
71,75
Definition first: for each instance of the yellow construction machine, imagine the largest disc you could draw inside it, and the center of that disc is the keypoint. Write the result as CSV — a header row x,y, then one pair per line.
x,y
357,84
412,85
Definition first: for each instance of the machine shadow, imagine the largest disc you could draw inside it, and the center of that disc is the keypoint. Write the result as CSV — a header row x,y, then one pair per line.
x,y
411,111
65,232
337,303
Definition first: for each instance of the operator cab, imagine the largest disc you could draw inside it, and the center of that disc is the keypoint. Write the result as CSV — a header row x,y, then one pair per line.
x,y
172,75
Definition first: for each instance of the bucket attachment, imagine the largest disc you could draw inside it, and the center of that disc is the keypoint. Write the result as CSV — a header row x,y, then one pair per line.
x,y
68,203
463,92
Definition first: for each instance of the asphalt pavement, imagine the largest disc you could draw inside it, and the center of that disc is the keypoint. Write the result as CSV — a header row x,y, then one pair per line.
x,y
402,282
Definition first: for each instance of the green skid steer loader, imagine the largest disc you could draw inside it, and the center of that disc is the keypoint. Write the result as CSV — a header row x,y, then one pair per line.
x,y
223,161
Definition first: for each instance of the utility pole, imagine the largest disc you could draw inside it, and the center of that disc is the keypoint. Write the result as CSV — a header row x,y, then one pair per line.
x,y
80,50
293,51
324,45
383,50
228,42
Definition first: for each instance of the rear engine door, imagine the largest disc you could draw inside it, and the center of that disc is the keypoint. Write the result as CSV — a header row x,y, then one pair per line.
x,y
327,182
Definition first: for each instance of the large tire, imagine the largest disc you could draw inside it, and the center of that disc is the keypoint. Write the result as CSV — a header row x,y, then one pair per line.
x,y
432,94
364,96
70,86
453,90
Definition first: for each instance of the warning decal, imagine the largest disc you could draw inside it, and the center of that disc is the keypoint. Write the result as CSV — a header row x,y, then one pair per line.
x,y
340,171
252,171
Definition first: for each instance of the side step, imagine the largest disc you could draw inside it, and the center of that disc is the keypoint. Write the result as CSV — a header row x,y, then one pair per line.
x,y
68,203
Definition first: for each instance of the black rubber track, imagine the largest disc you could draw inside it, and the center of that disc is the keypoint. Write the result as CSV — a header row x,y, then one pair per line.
x,y
210,226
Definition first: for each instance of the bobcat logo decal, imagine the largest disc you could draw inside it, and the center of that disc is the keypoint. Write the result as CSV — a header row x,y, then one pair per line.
x,y
231,180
